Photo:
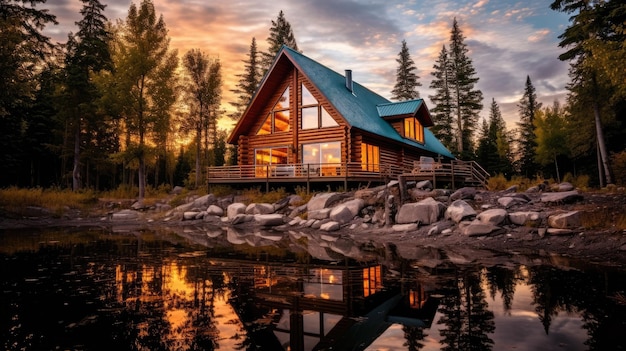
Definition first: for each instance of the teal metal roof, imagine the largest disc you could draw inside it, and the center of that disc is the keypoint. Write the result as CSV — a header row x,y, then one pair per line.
x,y
399,108
361,108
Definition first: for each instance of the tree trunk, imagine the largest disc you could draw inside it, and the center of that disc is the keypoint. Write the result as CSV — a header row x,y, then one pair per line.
x,y
198,155
601,145
556,165
76,169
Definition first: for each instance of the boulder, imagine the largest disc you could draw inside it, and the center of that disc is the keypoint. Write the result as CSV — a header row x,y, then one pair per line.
x,y
426,211
319,214
459,210
124,215
269,220
259,208
510,201
466,193
477,228
494,216
322,200
562,197
524,218
565,220
235,209
215,210
330,226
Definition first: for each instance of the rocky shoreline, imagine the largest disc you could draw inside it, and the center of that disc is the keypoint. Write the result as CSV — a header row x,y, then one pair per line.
x,y
476,224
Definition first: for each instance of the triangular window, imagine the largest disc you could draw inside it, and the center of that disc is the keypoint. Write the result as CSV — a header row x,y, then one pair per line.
x,y
314,115
277,121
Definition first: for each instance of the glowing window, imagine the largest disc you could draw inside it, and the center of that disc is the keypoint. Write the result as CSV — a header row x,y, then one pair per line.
x,y
413,129
313,114
370,157
277,120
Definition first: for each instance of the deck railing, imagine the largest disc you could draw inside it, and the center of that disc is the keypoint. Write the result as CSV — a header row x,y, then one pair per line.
x,y
470,171
301,171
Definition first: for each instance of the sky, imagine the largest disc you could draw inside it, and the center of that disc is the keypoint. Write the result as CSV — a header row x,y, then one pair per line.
x,y
508,40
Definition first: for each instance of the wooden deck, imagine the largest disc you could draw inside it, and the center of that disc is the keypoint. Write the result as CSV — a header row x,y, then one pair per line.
x,y
455,174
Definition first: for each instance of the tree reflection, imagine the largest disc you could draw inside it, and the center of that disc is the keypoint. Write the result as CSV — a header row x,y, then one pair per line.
x,y
503,280
465,315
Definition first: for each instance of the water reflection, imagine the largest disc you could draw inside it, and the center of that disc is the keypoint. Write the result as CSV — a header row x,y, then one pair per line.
x,y
208,289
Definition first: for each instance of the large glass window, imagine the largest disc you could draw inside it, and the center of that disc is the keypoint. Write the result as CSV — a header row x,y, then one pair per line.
x,y
370,157
314,115
322,158
269,157
413,129
277,120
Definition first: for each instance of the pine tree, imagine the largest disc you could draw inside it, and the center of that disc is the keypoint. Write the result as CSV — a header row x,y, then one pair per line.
x,y
406,78
442,100
280,34
551,136
248,82
467,101
87,53
493,152
528,107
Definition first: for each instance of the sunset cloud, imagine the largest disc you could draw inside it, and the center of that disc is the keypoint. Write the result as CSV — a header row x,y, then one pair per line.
x,y
507,39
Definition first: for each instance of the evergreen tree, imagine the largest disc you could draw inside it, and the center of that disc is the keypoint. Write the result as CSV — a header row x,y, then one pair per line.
x,y
467,101
551,136
493,152
442,100
280,34
528,107
145,79
23,53
87,53
248,82
202,93
592,23
406,78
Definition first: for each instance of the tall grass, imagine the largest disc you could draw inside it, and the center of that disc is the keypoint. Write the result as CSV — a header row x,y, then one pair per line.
x,y
16,200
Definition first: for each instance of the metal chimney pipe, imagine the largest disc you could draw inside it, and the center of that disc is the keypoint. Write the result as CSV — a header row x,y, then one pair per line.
x,y
349,79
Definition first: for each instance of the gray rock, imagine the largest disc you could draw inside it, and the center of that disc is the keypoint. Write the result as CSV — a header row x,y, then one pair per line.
x,y
459,210
269,220
466,193
319,214
404,227
124,215
235,209
494,216
565,220
259,208
477,228
215,210
322,200
510,201
330,226
562,197
426,211
524,217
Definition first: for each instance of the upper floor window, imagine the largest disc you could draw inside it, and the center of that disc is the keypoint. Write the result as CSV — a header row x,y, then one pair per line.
x,y
370,157
313,114
278,119
413,129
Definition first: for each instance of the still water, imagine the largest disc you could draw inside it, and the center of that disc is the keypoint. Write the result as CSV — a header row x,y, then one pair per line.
x,y
205,288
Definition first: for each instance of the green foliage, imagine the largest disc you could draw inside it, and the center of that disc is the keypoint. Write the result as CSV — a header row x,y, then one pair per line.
x,y
280,34
528,107
406,78
442,99
248,81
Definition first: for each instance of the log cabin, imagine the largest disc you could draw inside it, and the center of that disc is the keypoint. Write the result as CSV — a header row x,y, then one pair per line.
x,y
308,122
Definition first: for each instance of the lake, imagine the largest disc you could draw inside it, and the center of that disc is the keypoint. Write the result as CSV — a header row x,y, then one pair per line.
x,y
209,288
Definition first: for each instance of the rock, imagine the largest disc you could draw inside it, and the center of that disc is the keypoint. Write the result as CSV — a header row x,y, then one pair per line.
x,y
565,186
330,226
565,220
204,201
510,201
341,214
511,189
466,193
404,227
558,231
322,200
477,228
235,209
215,210
424,185
494,216
319,214
562,197
124,215
241,218
260,208
427,211
524,218
459,210
269,220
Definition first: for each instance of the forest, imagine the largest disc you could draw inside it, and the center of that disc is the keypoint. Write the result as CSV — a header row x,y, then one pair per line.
x,y
108,108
